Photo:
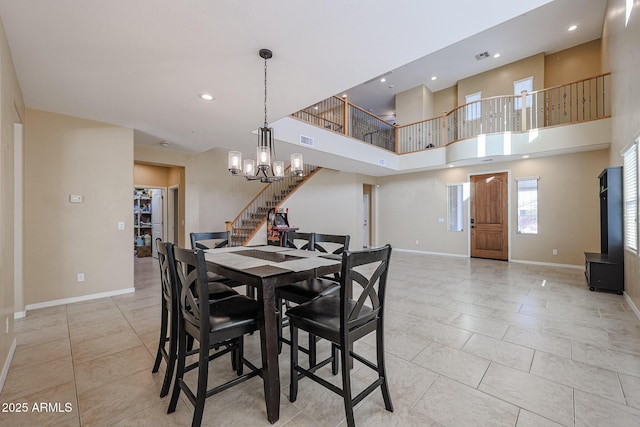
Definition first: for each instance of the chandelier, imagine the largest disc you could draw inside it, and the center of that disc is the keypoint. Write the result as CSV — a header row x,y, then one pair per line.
x,y
262,168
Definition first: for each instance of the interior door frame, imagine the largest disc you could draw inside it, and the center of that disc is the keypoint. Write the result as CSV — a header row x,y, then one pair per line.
x,y
173,218
509,222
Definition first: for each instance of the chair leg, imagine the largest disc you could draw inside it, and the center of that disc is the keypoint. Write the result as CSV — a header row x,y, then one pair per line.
x,y
382,371
346,384
334,359
293,374
182,355
279,320
201,394
163,337
171,362
239,356
312,351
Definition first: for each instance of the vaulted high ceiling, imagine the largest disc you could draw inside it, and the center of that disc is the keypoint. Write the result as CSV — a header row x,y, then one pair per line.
x,y
142,64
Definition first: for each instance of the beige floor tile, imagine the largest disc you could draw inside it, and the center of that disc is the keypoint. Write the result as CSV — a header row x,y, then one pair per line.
x,y
470,309
579,375
455,364
120,399
516,319
41,353
31,379
538,341
592,410
538,395
113,367
407,382
82,333
631,389
96,348
156,416
606,358
52,406
44,334
505,353
529,419
453,404
491,328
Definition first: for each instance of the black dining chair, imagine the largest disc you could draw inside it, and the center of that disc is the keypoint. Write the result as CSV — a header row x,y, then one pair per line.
x,y
299,240
215,240
307,290
342,320
169,312
214,324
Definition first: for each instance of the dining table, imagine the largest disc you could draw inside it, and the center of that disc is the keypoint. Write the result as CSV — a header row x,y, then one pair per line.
x,y
265,268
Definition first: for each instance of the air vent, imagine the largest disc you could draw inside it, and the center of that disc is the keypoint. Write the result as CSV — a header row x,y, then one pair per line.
x,y
482,55
382,162
306,140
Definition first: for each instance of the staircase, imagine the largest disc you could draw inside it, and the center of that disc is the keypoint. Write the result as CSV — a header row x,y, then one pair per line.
x,y
254,215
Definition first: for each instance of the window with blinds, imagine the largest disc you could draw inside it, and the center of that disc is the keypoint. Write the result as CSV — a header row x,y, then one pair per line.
x,y
630,194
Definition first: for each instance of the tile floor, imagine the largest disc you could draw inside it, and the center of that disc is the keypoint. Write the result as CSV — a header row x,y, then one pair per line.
x,y
469,343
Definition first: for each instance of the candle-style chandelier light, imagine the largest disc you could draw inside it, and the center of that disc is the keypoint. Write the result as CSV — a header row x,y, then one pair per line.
x,y
262,168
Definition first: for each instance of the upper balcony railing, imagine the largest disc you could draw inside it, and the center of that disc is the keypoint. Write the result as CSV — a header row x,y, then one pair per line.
x,y
575,102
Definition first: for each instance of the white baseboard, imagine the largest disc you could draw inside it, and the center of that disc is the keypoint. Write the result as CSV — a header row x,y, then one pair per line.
x,y
7,363
19,314
413,251
548,264
78,299
633,306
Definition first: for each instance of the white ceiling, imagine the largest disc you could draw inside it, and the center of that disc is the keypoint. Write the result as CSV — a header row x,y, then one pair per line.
x,y
141,64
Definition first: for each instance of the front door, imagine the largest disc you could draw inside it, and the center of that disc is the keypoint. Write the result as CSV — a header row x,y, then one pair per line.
x,y
489,216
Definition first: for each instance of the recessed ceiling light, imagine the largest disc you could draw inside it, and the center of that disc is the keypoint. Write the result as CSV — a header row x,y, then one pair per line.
x,y
344,96
164,144
382,80
572,28
450,166
434,78
206,96
526,156
496,55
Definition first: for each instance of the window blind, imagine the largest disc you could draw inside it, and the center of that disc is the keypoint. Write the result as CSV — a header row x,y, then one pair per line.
x,y
630,193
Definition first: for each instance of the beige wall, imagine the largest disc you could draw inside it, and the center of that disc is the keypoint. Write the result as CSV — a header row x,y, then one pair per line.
x,y
445,100
150,175
414,105
213,195
330,202
621,56
499,81
573,64
411,205
11,105
64,156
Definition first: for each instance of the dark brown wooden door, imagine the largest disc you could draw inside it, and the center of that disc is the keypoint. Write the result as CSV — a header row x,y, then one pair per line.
x,y
489,216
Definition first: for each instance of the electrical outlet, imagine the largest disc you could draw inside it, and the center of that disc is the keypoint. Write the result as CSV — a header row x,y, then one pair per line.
x,y
80,277
121,225
555,252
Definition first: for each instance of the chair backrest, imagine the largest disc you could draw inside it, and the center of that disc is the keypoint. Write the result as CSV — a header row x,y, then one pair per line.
x,y
337,244
191,275
297,240
167,273
210,239
364,275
